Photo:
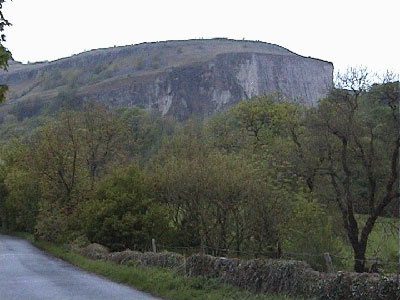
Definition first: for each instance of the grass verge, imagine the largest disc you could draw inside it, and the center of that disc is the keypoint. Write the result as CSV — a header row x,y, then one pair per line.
x,y
163,283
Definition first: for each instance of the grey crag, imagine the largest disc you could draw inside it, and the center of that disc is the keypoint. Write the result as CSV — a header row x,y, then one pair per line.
x,y
174,77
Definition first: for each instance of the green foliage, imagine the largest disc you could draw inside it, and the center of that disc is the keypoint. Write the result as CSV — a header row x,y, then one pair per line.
x,y
144,131
54,222
223,133
230,202
27,109
51,79
22,200
4,53
262,118
18,190
259,178
3,88
311,232
66,158
122,213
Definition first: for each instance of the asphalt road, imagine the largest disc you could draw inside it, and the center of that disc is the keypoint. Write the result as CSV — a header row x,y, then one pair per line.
x,y
27,273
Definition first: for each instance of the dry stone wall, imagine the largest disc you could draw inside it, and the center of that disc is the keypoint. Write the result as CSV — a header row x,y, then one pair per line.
x,y
263,275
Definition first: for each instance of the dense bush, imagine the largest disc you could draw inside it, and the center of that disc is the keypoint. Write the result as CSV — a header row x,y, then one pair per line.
x,y
311,232
19,191
122,213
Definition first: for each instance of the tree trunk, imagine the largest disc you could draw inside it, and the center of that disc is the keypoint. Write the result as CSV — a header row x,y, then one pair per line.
x,y
359,259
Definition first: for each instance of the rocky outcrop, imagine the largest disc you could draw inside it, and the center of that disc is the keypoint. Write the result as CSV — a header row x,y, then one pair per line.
x,y
177,78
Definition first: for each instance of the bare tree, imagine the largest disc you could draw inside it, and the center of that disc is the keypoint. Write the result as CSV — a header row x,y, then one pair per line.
x,y
353,133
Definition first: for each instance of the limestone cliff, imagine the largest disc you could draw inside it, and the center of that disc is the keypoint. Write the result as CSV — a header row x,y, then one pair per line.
x,y
174,77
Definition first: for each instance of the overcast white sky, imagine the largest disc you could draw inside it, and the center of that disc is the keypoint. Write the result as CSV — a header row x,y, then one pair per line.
x,y
347,33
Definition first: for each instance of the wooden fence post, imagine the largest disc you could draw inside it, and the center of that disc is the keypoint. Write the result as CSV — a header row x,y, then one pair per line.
x,y
328,261
202,252
153,243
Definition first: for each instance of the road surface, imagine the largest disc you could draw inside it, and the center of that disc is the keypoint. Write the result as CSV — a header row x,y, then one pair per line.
x,y
27,273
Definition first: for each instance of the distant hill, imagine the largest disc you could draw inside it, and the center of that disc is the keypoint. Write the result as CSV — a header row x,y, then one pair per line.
x,y
174,77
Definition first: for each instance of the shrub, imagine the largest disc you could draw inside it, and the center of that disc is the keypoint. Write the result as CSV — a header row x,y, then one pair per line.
x,y
311,231
122,213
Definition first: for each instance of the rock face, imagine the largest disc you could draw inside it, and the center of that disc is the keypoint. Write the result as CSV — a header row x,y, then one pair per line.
x,y
176,77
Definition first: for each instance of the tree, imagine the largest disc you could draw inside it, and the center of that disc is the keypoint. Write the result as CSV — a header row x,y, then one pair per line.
x,y
67,158
354,134
100,134
122,214
268,126
262,119
19,191
144,131
223,199
4,53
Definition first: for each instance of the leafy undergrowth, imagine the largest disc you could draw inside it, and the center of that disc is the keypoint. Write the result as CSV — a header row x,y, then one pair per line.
x,y
163,283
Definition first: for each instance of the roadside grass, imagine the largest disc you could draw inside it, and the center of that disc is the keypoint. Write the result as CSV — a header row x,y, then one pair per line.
x,y
164,283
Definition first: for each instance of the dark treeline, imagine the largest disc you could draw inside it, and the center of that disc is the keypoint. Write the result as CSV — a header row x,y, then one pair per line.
x,y
264,176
